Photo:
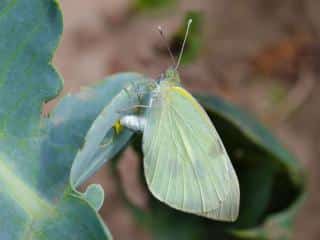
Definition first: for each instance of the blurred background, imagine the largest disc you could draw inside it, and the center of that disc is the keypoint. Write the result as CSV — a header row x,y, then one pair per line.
x,y
263,55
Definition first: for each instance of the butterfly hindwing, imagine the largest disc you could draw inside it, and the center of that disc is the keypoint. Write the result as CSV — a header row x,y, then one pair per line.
x,y
185,163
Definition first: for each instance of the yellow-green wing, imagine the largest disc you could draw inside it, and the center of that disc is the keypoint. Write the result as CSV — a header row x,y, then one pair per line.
x,y
185,163
229,209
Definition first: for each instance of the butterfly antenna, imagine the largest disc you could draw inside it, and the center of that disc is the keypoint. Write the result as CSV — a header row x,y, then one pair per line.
x,y
167,44
184,43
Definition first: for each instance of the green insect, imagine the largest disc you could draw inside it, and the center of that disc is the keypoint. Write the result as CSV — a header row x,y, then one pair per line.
x,y
185,163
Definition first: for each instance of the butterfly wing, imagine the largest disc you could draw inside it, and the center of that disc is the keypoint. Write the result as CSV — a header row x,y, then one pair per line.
x,y
185,163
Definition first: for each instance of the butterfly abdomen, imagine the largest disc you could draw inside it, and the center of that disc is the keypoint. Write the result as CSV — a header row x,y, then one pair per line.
x,y
133,122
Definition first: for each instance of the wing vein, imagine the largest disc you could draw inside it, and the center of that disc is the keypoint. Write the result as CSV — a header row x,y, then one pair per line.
x,y
157,161
169,159
212,169
196,174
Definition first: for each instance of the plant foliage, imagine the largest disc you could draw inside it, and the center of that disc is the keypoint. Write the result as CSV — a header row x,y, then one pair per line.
x,y
43,160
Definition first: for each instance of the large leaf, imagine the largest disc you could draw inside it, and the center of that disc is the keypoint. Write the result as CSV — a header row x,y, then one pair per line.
x,y
271,184
102,141
36,199
253,146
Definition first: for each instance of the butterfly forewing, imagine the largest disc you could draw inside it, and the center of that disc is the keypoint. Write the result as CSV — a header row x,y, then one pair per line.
x,y
185,163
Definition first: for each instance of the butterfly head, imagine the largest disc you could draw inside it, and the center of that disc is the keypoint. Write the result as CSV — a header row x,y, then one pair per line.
x,y
172,76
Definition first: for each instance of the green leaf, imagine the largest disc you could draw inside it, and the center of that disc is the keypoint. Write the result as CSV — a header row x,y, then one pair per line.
x,y
94,194
70,121
255,145
67,128
258,137
102,142
271,184
36,153
276,226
